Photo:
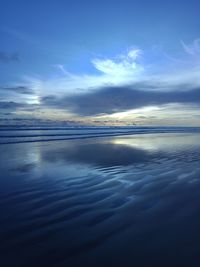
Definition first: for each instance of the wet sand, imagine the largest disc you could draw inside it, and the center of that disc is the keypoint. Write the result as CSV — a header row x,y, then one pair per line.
x,y
117,201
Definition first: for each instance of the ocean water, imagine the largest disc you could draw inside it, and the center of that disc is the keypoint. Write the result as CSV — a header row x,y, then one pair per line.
x,y
24,134
130,197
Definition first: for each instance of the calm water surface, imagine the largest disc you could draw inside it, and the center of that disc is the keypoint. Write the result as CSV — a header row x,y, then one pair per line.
x,y
113,201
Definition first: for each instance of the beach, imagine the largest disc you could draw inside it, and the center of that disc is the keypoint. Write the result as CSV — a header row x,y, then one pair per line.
x,y
121,200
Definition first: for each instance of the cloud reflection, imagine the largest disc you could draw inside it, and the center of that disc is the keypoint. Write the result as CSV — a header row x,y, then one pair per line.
x,y
104,155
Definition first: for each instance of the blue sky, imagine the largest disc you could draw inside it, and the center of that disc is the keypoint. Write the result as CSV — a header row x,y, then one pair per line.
x,y
58,56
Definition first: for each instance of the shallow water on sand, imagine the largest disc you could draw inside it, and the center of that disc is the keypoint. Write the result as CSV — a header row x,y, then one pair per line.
x,y
118,201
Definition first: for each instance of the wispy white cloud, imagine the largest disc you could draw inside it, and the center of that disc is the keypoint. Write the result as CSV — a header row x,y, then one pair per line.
x,y
193,48
121,70
124,65
62,69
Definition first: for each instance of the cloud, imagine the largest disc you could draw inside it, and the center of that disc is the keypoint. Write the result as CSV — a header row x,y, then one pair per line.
x,y
123,65
122,69
193,48
110,100
62,69
10,105
24,90
8,57
120,84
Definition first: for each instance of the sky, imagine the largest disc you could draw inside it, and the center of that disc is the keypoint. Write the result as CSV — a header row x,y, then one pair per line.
x,y
100,62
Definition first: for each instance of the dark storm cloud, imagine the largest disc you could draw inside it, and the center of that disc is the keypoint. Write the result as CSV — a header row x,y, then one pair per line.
x,y
7,57
116,99
19,89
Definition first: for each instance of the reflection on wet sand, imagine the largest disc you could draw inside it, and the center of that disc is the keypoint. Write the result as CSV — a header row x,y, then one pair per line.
x,y
100,154
123,201
122,150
